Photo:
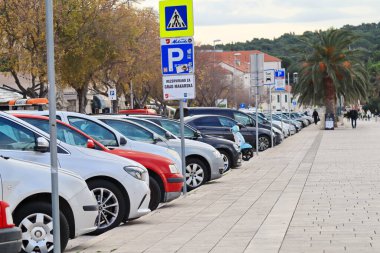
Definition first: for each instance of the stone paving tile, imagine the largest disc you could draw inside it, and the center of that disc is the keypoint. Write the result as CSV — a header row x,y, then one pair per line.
x,y
317,192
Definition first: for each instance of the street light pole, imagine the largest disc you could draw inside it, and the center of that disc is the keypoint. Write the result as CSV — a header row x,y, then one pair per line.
x,y
214,42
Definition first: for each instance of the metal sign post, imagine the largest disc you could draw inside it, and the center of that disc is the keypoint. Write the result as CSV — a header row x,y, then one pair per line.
x,y
257,80
53,126
177,59
289,95
183,157
270,114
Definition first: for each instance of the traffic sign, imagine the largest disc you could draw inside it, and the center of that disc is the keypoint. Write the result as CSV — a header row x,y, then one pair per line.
x,y
242,106
294,102
177,56
112,94
176,18
269,77
280,80
177,87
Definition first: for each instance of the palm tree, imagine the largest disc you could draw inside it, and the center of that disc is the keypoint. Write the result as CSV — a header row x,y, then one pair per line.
x,y
332,70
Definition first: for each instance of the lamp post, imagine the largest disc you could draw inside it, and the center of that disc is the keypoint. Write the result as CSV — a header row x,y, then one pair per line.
x,y
233,79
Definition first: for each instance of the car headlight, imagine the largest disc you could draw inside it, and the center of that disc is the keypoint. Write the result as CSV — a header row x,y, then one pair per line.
x,y
216,153
136,172
173,169
236,147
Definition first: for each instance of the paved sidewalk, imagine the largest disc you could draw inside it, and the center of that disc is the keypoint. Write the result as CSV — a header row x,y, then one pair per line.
x,y
319,191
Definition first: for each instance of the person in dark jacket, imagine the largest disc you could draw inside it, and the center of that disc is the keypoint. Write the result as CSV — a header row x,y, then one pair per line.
x,y
354,116
315,116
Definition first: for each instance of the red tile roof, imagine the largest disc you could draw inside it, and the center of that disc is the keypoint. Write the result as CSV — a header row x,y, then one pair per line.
x,y
244,58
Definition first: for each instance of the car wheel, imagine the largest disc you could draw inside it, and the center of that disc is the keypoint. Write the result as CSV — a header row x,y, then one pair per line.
x,y
196,173
36,224
155,194
264,143
111,204
226,160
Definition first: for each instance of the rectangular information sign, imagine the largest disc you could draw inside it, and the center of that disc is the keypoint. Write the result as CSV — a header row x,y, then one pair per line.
x,y
178,87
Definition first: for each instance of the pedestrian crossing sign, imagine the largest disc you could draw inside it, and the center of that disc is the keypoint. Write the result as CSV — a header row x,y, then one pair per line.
x,y
176,18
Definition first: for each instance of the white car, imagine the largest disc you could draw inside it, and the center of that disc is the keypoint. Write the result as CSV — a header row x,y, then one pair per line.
x,y
107,135
120,185
203,161
26,187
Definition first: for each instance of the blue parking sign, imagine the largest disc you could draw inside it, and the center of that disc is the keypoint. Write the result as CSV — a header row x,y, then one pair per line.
x,y
177,56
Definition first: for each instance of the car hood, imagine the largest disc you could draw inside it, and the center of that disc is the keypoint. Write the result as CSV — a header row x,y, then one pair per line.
x,y
91,153
216,139
191,144
140,156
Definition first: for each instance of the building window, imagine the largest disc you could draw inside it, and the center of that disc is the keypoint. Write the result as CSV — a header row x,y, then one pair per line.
x,y
286,98
278,98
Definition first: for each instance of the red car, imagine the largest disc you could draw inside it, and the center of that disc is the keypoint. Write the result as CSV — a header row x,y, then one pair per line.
x,y
10,236
165,178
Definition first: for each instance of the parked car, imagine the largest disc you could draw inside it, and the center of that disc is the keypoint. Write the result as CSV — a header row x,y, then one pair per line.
x,y
171,129
26,186
120,185
238,116
285,118
138,112
10,235
108,136
165,179
203,162
220,126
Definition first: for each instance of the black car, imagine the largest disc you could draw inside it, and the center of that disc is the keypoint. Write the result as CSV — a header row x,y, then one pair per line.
x,y
165,127
220,126
239,116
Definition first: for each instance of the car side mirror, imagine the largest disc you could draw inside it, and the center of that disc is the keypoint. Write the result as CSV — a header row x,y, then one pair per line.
x,y
198,134
123,141
90,144
168,135
156,138
241,125
42,145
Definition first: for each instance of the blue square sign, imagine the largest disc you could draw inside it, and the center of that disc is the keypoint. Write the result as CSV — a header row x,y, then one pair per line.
x,y
177,56
176,18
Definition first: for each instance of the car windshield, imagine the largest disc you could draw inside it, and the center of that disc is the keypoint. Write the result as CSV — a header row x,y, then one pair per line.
x,y
130,130
153,127
174,128
96,131
64,133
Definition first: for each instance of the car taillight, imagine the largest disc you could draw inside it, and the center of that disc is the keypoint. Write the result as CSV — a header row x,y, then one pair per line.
x,y
6,220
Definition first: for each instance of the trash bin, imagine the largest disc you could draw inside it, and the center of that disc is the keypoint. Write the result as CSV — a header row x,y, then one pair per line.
x,y
329,121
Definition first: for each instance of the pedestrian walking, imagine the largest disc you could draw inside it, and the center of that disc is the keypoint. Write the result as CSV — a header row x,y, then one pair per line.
x,y
354,117
315,116
369,114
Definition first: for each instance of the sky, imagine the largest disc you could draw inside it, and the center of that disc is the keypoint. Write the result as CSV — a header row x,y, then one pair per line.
x,y
241,20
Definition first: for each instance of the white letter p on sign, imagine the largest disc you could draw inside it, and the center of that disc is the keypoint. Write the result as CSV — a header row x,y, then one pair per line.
x,y
172,58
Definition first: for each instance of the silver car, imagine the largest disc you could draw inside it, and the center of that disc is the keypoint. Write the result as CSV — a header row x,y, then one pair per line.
x,y
203,162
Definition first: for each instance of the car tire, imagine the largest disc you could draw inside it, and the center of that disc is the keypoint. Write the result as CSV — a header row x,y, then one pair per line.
x,y
114,203
196,173
226,160
155,194
36,219
264,142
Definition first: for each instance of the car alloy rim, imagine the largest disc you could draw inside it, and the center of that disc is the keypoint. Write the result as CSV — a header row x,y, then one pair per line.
x,y
263,143
37,233
194,175
108,207
225,162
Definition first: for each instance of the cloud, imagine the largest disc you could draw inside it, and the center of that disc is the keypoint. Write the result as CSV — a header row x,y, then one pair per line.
x,y
227,12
